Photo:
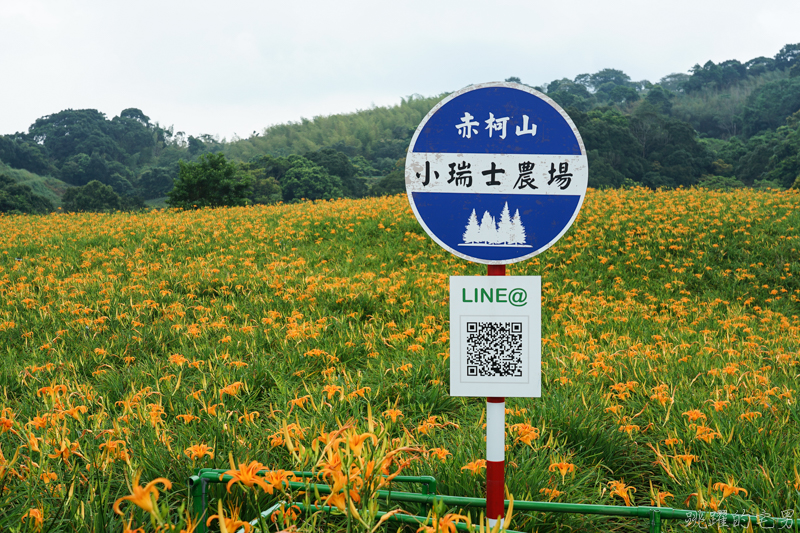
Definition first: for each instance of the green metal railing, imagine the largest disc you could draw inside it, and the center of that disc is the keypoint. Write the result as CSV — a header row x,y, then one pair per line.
x,y
655,515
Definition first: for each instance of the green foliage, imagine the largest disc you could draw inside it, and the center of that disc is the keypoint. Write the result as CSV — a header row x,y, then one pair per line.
x,y
788,56
768,106
18,152
275,167
266,190
376,134
660,99
606,76
81,146
204,143
567,93
212,181
645,147
635,132
614,153
363,167
46,186
270,299
710,181
94,196
674,82
73,132
19,198
306,180
392,183
156,182
713,76
784,163
338,164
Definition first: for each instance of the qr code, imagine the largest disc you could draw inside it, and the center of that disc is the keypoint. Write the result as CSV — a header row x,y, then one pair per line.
x,y
494,349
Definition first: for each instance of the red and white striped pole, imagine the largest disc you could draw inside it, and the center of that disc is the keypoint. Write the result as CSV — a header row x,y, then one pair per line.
x,y
495,444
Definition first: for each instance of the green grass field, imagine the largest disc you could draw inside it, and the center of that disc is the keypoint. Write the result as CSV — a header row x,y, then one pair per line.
x,y
284,334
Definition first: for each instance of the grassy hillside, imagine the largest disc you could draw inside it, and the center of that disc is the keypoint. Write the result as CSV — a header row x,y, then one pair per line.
x,y
306,336
47,186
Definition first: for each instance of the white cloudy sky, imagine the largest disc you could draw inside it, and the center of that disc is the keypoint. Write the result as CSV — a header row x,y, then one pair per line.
x,y
235,67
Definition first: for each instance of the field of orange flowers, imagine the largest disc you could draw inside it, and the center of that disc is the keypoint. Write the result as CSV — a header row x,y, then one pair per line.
x,y
138,348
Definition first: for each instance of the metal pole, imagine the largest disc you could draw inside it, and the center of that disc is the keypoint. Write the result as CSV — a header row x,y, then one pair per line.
x,y
495,444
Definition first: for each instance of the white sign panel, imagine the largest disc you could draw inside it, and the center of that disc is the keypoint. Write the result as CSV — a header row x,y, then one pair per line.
x,y
496,336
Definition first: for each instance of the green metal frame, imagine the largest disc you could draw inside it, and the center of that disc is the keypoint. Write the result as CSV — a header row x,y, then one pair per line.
x,y
656,515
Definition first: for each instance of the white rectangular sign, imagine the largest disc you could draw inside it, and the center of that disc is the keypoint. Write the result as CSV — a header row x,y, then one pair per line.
x,y
495,336
498,173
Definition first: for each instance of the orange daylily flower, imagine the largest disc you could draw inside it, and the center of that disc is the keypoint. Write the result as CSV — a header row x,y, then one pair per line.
x,y
729,488
36,515
440,453
475,466
247,475
618,488
563,468
64,449
33,443
393,414
276,478
662,498
141,496
526,433
198,451
706,434
356,442
330,390
299,402
550,493
686,458
445,524
694,414
228,524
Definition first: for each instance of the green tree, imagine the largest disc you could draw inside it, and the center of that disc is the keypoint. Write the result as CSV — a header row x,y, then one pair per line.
x,y
338,164
759,65
392,183
608,75
788,56
769,105
17,152
94,196
660,98
783,166
18,198
156,182
363,167
306,180
674,82
266,172
621,94
567,93
212,181
614,153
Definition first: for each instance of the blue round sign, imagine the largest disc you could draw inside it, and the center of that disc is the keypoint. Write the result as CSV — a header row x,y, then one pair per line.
x,y
496,173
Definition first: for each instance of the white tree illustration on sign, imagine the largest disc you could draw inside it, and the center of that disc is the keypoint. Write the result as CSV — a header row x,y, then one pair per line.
x,y
508,232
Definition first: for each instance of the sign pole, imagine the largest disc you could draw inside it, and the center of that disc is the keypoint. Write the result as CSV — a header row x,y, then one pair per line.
x,y
495,443
496,173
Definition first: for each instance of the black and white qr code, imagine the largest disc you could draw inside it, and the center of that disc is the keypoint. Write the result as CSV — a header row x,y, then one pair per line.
x,y
494,349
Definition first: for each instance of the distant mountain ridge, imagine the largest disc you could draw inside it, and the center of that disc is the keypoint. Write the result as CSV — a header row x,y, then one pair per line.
x,y
730,124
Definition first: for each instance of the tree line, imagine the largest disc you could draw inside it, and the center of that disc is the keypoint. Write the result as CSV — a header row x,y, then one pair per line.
x,y
730,124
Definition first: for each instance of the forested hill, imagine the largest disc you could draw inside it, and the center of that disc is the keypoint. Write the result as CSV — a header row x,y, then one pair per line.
x,y
732,124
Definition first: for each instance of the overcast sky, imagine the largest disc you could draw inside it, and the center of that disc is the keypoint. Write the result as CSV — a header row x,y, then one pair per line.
x,y
235,67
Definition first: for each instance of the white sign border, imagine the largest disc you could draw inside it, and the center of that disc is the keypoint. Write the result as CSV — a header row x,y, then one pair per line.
x,y
513,387
410,173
